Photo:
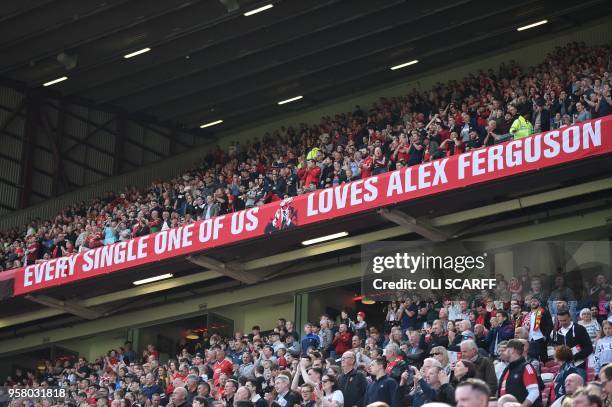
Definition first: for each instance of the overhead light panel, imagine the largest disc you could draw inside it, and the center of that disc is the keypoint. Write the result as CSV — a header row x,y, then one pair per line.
x,y
211,124
324,238
133,54
282,102
258,10
153,279
54,81
526,27
400,66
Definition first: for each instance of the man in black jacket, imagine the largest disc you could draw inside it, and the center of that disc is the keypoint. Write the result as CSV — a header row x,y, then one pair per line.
x,y
519,378
433,338
383,388
484,367
352,382
573,336
540,117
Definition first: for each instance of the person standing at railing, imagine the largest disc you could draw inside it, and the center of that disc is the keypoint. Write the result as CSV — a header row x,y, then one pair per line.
x,y
521,127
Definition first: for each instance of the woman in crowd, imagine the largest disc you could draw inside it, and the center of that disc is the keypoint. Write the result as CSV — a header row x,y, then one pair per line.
x,y
463,370
589,323
329,395
440,353
603,348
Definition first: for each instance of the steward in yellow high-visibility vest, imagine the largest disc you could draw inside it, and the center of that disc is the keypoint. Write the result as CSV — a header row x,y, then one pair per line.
x,y
312,154
521,127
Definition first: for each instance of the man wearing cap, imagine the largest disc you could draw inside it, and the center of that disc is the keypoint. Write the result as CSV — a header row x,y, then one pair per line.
x,y
538,323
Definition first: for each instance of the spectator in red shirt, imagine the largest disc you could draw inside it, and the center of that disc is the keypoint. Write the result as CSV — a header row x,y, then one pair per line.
x,y
94,238
401,152
367,163
312,173
33,249
342,340
222,365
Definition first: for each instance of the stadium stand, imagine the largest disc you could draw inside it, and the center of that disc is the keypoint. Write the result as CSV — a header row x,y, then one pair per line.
x,y
328,365
570,86
551,345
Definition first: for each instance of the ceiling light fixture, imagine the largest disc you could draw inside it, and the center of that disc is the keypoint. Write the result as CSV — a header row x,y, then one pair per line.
x,y
258,10
191,335
526,27
54,81
282,102
211,124
152,279
415,61
324,238
133,54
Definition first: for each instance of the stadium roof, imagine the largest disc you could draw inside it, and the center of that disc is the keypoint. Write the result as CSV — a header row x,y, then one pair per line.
x,y
206,63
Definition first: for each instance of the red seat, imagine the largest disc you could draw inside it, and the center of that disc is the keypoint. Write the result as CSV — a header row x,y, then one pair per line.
x,y
551,363
555,369
545,369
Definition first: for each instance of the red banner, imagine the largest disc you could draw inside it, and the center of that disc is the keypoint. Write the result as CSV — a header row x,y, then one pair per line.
x,y
519,156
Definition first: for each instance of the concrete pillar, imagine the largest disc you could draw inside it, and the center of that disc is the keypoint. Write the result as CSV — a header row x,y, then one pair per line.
x,y
300,302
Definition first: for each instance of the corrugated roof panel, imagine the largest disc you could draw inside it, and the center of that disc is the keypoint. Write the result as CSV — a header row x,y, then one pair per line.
x,y
43,160
9,195
157,142
42,183
11,147
10,170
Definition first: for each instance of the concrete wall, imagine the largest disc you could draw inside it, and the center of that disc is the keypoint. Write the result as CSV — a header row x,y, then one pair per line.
x,y
263,312
98,345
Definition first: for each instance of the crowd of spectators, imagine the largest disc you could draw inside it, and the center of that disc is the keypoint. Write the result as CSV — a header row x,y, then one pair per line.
x,y
570,86
544,346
